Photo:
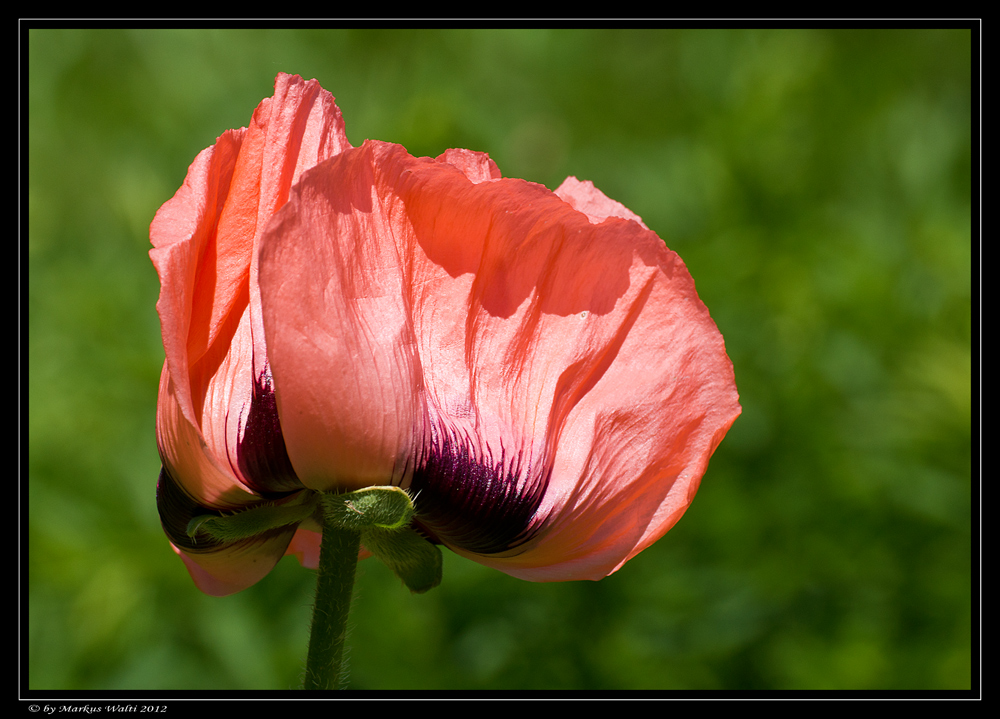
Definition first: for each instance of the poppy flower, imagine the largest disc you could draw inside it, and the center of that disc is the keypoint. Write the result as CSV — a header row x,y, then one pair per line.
x,y
534,367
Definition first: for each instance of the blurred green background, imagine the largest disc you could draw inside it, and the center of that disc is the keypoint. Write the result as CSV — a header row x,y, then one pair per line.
x,y
816,183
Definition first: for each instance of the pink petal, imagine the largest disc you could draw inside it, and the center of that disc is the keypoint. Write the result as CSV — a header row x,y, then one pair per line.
x,y
205,476
234,568
203,238
584,197
204,242
305,546
338,331
183,253
477,166
407,297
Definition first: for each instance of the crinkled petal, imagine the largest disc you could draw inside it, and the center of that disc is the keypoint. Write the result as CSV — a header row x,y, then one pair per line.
x,y
642,427
584,197
476,166
203,238
233,569
553,346
217,568
184,253
213,427
208,479
586,334
341,345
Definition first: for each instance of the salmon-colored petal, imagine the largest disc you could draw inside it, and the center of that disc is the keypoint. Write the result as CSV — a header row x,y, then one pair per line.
x,y
233,569
640,436
342,343
294,130
305,546
530,367
203,238
203,241
650,393
217,431
585,198
182,233
476,166
339,337
186,456
217,567
597,359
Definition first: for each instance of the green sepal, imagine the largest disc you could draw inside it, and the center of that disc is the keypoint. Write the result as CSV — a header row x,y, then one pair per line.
x,y
251,522
382,515
413,559
381,507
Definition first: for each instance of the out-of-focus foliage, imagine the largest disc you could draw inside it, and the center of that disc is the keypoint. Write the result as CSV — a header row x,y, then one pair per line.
x,y
817,184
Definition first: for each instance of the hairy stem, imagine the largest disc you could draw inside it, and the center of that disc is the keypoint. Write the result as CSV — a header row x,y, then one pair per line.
x,y
338,560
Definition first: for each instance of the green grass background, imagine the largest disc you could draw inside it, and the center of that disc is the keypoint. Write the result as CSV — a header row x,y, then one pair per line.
x,y
818,185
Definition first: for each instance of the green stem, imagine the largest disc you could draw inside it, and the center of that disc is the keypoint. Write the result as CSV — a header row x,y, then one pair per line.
x,y
338,560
